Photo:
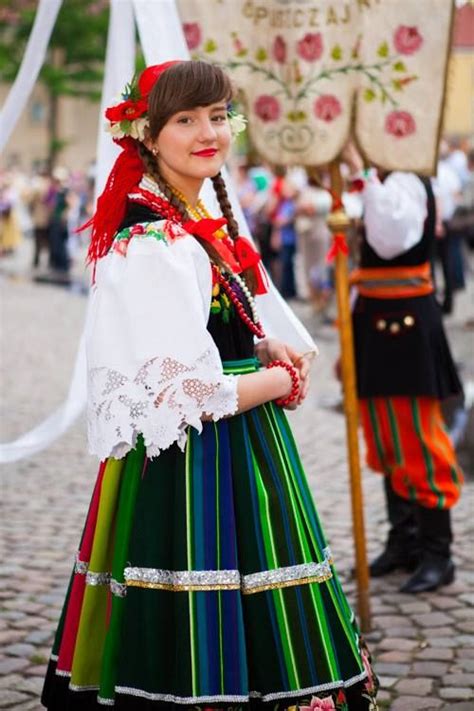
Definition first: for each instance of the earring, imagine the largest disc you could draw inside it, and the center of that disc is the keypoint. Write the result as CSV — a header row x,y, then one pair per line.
x,y
154,151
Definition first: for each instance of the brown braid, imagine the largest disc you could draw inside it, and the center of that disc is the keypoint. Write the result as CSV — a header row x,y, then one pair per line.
x,y
232,226
224,204
151,167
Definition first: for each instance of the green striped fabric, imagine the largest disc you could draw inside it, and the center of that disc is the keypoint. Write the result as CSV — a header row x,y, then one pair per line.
x,y
231,597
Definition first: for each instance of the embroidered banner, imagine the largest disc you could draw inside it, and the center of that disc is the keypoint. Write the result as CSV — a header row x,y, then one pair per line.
x,y
312,69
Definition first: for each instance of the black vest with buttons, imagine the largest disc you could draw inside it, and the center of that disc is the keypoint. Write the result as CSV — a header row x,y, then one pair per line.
x,y
400,344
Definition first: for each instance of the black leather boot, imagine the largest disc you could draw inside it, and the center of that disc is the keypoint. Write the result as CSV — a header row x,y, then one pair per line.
x,y
401,546
436,567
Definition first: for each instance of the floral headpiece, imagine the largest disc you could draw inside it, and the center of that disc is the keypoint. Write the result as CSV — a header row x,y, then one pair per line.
x,y
129,117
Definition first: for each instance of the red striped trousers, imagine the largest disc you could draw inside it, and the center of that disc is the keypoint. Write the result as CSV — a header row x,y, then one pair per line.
x,y
406,439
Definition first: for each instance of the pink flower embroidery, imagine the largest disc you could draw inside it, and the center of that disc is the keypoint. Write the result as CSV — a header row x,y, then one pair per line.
x,y
192,34
267,108
173,231
137,230
325,704
121,246
407,40
310,47
279,49
327,107
400,124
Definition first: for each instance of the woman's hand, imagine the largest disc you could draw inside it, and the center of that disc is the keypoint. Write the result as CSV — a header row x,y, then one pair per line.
x,y
271,349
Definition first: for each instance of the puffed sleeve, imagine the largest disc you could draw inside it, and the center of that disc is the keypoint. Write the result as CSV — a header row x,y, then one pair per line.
x,y
394,213
153,367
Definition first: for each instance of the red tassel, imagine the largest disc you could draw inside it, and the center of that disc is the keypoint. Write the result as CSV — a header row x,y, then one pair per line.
x,y
126,173
339,244
337,203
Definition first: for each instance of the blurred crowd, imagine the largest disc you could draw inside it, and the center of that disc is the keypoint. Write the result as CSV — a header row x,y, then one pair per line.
x,y
286,211
287,214
47,208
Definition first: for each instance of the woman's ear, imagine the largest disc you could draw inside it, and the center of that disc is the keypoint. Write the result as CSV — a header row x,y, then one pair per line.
x,y
148,141
151,146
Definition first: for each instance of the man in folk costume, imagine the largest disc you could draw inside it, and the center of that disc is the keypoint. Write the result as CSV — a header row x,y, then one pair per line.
x,y
404,370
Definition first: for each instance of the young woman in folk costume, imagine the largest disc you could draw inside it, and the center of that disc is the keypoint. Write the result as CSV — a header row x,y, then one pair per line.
x,y
203,578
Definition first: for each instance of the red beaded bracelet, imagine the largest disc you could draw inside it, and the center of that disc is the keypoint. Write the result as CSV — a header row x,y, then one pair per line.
x,y
295,382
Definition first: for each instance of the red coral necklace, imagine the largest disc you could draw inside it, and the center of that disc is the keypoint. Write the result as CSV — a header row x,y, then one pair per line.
x,y
149,194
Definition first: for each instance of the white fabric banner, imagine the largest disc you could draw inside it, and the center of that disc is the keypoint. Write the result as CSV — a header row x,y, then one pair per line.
x,y
32,62
161,34
119,65
119,68
312,71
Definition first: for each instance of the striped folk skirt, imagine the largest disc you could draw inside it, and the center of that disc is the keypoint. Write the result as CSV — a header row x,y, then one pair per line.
x,y
407,440
203,579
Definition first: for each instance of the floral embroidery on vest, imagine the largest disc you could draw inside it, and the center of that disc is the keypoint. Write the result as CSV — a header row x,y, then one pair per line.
x,y
163,231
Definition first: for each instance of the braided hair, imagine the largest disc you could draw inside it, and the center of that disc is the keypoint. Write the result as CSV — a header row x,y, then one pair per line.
x,y
232,226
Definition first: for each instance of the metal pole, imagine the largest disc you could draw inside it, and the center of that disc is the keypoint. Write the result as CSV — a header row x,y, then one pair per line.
x,y
338,223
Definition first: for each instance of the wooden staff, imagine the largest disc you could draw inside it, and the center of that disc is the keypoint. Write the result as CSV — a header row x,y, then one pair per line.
x,y
338,223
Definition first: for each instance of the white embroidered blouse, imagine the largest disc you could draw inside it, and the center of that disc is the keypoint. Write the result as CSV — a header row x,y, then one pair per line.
x,y
153,367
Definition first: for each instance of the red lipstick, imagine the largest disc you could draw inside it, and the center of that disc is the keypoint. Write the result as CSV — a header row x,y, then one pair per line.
x,y
206,153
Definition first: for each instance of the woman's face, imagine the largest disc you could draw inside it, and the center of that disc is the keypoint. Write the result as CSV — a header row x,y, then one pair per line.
x,y
193,144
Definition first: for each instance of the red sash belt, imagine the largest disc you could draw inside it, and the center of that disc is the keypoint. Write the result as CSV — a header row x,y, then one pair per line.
x,y
393,282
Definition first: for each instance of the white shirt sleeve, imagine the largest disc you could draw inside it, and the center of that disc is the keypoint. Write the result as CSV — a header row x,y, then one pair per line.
x,y
394,213
153,367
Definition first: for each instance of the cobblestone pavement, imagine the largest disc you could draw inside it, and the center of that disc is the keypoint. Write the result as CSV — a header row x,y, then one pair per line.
x,y
423,646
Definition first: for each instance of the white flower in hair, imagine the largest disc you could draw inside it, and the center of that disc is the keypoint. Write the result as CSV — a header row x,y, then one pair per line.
x,y
237,123
138,128
114,129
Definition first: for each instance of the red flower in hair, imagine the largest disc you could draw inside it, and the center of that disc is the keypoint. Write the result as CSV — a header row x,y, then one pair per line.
x,y
127,111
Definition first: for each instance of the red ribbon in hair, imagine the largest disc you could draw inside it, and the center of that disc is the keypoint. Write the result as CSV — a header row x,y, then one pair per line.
x,y
205,229
243,255
249,258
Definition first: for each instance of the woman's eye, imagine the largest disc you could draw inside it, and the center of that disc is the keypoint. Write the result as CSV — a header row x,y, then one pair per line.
x,y
219,118
184,119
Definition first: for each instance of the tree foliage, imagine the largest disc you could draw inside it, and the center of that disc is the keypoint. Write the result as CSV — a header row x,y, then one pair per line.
x,y
74,62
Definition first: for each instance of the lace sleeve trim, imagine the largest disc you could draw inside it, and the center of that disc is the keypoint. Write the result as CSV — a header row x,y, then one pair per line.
x,y
160,402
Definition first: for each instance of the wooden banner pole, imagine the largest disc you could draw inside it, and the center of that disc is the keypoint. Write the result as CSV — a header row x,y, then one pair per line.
x,y
338,223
